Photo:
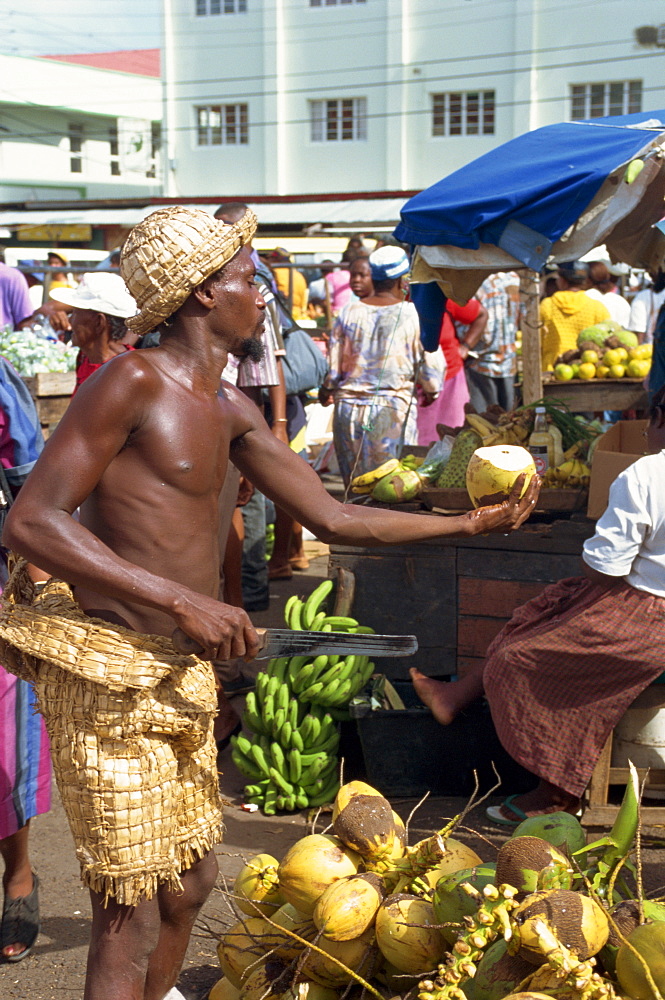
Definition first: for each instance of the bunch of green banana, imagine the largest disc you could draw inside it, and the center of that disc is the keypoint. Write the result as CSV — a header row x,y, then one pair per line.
x,y
290,755
294,776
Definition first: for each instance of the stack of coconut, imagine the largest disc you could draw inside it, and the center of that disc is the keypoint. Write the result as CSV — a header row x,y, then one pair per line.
x,y
359,910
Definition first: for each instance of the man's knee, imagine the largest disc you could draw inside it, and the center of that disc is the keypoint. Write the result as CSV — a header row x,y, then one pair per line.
x,y
131,932
197,882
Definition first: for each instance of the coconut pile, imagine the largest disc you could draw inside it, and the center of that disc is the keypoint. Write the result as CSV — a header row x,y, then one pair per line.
x,y
356,911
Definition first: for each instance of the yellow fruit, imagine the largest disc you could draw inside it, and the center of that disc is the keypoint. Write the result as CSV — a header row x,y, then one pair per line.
x,y
223,990
622,352
491,473
359,955
256,887
242,946
406,936
639,369
563,373
310,866
587,369
614,357
590,357
348,907
602,371
617,371
363,820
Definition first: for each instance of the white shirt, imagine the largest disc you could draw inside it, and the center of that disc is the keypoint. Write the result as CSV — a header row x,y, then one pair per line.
x,y
644,311
630,536
615,304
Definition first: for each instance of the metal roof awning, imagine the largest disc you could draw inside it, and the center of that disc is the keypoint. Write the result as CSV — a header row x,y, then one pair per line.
x,y
354,212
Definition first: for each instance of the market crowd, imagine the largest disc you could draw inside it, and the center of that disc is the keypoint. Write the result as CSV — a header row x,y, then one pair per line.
x,y
193,385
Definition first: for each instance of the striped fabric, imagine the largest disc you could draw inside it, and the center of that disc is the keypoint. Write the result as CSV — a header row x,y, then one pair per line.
x,y
25,765
565,668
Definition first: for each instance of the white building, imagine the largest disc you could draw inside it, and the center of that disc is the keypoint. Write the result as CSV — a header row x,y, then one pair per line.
x,y
292,97
74,132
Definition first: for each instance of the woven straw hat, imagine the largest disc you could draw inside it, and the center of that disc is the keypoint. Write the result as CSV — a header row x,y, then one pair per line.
x,y
170,253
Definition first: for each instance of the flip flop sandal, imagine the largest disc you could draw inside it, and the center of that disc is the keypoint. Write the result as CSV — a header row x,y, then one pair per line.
x,y
494,812
20,922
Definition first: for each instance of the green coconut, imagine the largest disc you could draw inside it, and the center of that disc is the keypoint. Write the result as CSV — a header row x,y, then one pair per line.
x,y
398,487
451,903
560,829
529,863
649,941
498,973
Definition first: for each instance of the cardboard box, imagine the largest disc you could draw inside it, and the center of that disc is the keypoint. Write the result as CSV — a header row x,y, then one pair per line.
x,y
618,448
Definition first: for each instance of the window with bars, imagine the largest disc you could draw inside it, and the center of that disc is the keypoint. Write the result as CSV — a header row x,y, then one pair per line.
x,y
333,3
211,7
596,100
155,148
114,150
75,135
342,120
222,125
463,113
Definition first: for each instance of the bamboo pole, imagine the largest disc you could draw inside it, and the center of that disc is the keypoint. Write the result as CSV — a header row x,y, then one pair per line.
x,y
532,377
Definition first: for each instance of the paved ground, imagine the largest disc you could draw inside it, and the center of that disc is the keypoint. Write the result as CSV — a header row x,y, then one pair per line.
x,y
55,970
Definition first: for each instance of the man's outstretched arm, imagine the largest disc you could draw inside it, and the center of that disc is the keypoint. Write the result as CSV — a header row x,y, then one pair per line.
x,y
293,485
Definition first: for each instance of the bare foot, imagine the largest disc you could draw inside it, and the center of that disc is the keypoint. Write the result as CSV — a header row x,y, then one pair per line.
x,y
439,696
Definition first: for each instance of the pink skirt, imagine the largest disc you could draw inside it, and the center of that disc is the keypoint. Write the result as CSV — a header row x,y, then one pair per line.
x,y
447,409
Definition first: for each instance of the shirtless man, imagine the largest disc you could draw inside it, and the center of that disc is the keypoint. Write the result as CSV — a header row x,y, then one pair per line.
x,y
142,451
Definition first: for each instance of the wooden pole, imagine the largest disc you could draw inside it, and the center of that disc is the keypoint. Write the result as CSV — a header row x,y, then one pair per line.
x,y
532,377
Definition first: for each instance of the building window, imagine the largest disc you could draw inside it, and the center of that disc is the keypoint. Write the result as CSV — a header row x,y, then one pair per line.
x,y
596,100
470,113
222,125
114,150
339,120
75,135
205,7
332,3
155,148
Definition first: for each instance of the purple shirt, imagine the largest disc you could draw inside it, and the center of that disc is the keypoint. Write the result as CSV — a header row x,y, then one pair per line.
x,y
15,305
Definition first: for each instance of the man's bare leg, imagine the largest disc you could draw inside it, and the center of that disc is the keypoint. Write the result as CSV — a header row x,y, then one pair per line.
x,y
178,912
446,698
122,940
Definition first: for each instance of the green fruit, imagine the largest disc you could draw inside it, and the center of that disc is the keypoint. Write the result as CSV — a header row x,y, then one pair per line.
x,y
498,974
563,373
559,829
451,903
454,474
398,487
649,940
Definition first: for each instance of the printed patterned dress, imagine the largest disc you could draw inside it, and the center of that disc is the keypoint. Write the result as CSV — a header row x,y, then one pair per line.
x,y
376,358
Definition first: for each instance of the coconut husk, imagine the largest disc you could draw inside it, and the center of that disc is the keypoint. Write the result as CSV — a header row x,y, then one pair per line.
x,y
130,725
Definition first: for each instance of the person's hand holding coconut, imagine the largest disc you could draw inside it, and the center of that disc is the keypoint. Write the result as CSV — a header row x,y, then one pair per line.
x,y
503,486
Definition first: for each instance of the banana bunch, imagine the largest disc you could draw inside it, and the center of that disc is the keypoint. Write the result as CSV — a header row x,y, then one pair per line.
x,y
290,757
572,474
513,432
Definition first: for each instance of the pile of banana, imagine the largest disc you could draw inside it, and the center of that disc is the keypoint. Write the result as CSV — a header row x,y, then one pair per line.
x,y
292,717
572,474
512,428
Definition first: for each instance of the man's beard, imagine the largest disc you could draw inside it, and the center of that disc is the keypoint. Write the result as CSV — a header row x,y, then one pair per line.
x,y
250,348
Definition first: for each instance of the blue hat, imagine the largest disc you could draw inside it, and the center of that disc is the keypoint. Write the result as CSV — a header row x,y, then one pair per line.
x,y
388,262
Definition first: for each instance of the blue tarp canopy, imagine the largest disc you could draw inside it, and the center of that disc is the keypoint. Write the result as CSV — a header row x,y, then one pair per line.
x,y
537,185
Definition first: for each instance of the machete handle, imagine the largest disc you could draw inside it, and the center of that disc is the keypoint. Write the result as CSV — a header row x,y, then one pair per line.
x,y
184,643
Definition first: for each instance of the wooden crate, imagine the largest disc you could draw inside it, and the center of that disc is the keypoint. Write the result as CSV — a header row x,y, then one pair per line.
x,y
559,500
51,392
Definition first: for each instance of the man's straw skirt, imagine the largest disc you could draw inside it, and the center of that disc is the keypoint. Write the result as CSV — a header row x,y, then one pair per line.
x,y
130,724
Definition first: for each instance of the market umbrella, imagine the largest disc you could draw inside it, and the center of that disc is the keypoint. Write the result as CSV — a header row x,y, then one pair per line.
x,y
554,193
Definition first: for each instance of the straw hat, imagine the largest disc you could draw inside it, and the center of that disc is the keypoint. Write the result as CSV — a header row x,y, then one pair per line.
x,y
170,253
